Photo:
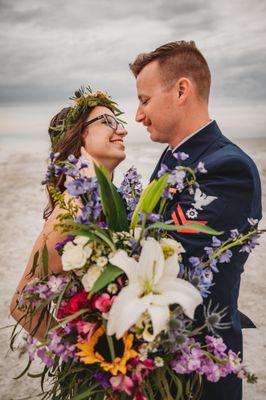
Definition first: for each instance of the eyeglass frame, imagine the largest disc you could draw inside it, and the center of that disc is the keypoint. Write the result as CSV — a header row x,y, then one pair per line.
x,y
104,116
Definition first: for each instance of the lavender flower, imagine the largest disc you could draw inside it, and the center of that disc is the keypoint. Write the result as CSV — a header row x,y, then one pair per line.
x,y
177,178
163,170
234,233
192,359
225,256
102,378
252,221
131,189
53,170
59,246
251,244
180,156
201,168
61,347
78,186
29,346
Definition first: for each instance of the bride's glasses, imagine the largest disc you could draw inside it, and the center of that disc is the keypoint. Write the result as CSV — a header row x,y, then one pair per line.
x,y
109,120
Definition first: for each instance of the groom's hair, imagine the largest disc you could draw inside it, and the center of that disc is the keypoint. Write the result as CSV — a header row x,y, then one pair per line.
x,y
176,60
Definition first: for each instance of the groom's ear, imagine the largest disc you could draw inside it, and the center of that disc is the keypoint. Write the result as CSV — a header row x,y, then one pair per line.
x,y
183,88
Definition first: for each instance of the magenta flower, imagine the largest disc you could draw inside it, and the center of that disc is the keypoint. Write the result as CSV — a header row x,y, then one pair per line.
x,y
122,383
104,302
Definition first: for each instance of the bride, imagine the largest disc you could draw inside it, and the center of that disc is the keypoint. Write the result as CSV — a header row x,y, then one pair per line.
x,y
90,128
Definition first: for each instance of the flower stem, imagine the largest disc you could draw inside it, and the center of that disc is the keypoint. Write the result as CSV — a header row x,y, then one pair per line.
x,y
219,251
109,341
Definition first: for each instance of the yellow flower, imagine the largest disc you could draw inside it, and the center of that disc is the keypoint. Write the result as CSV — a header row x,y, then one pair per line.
x,y
89,356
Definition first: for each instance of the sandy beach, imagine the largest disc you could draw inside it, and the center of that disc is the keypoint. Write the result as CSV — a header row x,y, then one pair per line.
x,y
22,203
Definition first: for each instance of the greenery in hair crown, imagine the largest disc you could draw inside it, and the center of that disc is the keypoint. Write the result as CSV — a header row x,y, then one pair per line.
x,y
84,100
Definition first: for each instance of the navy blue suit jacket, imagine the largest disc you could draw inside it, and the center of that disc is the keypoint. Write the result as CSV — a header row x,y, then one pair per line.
x,y
233,178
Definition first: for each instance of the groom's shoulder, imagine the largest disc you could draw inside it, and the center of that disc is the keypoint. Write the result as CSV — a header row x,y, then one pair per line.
x,y
225,154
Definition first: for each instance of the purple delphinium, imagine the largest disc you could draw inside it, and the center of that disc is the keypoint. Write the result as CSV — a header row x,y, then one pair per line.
x,y
163,170
53,170
251,244
78,186
91,212
225,256
201,168
180,156
177,178
60,245
102,378
131,189
234,233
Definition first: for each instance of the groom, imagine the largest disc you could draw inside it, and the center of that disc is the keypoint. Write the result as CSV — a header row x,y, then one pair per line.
x,y
173,86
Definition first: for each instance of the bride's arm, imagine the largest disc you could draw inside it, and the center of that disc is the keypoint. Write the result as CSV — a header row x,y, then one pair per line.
x,y
51,237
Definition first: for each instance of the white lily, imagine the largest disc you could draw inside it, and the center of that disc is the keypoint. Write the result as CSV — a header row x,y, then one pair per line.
x,y
153,286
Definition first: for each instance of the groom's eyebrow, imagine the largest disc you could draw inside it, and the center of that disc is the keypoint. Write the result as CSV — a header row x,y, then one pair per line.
x,y
140,96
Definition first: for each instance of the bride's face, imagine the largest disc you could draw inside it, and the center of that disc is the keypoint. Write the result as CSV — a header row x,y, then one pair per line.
x,y
104,144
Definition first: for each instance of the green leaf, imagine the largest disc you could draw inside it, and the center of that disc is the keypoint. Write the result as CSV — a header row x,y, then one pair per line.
x,y
193,225
44,262
139,207
70,318
24,371
34,264
154,194
109,274
87,393
149,198
112,204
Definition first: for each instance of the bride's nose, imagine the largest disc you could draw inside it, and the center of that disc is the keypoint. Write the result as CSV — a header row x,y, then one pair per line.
x,y
121,131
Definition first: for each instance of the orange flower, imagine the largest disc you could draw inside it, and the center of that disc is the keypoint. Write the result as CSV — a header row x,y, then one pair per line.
x,y
89,356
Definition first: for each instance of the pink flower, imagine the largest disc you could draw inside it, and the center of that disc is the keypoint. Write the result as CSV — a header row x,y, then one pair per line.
x,y
122,383
142,368
85,329
139,395
103,302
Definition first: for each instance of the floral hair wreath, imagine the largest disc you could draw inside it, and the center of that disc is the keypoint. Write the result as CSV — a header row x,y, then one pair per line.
x,y
84,100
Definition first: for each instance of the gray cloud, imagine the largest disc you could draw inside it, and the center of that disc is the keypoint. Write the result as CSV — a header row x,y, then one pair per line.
x,y
48,49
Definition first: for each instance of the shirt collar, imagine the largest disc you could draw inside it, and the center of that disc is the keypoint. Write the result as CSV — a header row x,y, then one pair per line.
x,y
188,137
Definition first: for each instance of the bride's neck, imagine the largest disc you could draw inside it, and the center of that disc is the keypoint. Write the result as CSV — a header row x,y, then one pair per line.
x,y
109,165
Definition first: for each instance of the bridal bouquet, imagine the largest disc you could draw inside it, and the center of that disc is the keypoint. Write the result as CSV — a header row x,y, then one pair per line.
x,y
120,318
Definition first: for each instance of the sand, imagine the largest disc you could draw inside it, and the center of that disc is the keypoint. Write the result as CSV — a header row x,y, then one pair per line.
x,y
22,203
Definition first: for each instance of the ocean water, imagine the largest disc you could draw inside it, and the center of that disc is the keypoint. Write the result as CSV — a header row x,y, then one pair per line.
x,y
142,155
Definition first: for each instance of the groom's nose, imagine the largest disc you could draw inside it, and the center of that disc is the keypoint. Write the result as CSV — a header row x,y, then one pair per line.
x,y
140,115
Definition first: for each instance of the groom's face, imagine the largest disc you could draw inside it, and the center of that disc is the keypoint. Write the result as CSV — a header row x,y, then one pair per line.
x,y
158,109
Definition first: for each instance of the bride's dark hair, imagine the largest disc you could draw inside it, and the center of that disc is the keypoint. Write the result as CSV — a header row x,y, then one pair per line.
x,y
70,144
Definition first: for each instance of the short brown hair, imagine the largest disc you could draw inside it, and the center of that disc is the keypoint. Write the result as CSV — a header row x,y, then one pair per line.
x,y
178,59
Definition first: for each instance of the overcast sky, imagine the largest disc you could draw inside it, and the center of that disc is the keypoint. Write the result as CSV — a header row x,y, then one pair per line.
x,y
49,48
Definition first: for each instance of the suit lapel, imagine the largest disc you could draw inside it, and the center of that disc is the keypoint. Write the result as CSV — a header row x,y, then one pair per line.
x,y
197,145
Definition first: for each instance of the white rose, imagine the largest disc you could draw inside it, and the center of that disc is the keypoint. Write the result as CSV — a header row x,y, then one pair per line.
x,y
73,257
83,242
172,244
91,277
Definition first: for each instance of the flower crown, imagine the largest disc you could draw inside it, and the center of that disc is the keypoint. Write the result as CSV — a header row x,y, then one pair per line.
x,y
84,100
